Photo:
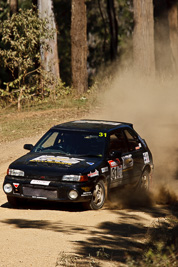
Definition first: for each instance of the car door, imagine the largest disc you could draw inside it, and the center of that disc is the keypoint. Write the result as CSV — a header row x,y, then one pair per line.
x,y
120,159
136,150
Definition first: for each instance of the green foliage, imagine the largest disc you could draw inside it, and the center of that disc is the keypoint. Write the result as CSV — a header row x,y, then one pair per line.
x,y
25,4
40,86
156,258
125,20
161,246
24,35
4,10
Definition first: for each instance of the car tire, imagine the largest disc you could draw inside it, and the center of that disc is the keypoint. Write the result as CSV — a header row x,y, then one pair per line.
x,y
144,183
13,201
98,197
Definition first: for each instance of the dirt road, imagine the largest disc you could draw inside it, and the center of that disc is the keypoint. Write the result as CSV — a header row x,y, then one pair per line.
x,y
58,235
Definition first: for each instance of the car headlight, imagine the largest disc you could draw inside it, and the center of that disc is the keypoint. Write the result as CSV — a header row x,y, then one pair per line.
x,y
14,172
7,188
75,178
73,194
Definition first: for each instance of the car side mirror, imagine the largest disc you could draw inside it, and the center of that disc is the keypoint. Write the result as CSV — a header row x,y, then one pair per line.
x,y
28,147
115,154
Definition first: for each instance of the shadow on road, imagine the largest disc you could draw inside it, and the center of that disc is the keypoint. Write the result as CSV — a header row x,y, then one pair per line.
x,y
129,238
47,205
109,240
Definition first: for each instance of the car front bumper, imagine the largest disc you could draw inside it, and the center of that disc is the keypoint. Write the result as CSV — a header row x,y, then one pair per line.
x,y
49,190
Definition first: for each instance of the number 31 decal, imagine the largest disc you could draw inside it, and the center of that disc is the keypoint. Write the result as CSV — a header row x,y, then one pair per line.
x,y
102,134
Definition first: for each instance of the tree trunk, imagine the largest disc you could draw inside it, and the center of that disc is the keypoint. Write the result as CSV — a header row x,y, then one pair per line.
x,y
143,36
163,53
50,58
105,29
113,29
13,6
79,46
173,34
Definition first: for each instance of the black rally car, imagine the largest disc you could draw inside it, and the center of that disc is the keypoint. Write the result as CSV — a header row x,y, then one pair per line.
x,y
80,161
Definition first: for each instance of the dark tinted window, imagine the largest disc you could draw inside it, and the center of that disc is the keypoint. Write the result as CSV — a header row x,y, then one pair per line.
x,y
73,143
118,142
132,139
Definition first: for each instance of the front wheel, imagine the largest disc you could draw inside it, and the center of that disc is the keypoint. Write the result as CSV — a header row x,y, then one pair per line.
x,y
98,197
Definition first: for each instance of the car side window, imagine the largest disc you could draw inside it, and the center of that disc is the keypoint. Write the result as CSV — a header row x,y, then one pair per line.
x,y
118,142
133,141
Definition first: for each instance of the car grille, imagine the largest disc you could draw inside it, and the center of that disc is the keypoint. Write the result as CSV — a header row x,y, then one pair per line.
x,y
38,192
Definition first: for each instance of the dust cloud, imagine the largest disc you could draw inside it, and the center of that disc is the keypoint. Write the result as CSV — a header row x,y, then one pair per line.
x,y
130,198
151,104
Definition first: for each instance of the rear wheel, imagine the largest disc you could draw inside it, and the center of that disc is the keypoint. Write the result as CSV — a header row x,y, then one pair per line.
x,y
145,181
98,198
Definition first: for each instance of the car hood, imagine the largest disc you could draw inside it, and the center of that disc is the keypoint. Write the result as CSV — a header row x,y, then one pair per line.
x,y
55,165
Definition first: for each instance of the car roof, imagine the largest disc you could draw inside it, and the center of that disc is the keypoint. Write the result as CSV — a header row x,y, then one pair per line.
x,y
92,125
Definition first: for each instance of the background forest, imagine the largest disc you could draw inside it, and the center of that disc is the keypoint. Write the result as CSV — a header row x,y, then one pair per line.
x,y
62,56
55,48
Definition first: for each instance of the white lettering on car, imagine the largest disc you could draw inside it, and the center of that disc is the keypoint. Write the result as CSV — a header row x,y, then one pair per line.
x,y
146,157
40,182
86,194
104,169
116,170
57,159
93,174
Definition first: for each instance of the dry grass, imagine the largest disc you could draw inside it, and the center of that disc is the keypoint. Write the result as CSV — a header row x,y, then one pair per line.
x,y
34,121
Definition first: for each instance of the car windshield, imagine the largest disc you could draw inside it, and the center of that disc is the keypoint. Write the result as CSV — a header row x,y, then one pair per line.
x,y
72,143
